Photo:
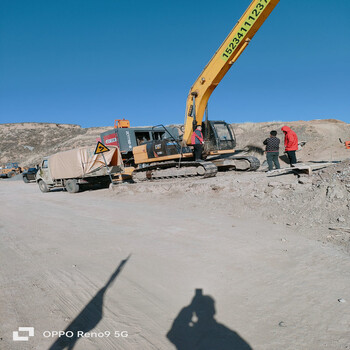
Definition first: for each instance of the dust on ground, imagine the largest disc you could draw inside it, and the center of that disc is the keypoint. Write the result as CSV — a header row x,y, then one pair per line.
x,y
175,264
317,206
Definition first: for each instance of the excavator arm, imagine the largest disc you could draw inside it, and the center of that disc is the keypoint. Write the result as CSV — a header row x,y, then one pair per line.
x,y
221,62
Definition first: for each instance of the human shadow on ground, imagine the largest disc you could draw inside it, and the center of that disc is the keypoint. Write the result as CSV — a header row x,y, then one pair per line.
x,y
88,318
195,328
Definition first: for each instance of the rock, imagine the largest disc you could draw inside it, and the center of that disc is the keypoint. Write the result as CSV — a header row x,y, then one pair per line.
x,y
282,324
341,219
341,300
274,184
305,180
334,192
276,192
290,186
216,187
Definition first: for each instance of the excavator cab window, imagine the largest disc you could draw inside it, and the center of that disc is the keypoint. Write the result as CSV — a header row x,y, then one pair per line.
x,y
221,136
142,137
223,132
158,135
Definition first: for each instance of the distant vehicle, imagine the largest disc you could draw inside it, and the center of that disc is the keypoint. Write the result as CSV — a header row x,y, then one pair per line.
x,y
29,175
10,170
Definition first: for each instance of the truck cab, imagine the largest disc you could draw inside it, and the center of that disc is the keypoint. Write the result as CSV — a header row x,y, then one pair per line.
x,y
43,173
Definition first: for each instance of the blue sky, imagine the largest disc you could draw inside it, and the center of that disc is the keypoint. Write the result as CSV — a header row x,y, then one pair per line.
x,y
89,62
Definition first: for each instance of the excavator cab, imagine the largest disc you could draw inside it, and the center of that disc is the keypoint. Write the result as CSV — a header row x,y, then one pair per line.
x,y
218,136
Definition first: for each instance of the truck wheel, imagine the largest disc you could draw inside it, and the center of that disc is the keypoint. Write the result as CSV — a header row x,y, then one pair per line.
x,y
72,186
11,174
25,179
43,187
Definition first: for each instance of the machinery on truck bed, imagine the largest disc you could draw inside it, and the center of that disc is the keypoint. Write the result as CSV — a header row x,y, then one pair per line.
x,y
78,167
126,138
172,156
160,143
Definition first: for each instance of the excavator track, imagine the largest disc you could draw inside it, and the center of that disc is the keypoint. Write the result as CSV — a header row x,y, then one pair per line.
x,y
253,162
239,162
173,170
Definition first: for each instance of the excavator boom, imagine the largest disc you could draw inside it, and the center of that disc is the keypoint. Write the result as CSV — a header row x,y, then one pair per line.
x,y
221,62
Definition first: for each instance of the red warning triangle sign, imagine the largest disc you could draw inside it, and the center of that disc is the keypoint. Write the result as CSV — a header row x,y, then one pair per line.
x,y
101,148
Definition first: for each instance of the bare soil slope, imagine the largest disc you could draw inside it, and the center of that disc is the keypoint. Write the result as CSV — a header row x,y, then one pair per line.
x,y
27,143
321,137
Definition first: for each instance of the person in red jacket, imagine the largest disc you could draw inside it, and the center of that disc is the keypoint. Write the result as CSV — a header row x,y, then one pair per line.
x,y
290,144
197,142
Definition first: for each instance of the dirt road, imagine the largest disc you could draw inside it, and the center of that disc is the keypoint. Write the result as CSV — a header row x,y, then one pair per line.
x,y
124,267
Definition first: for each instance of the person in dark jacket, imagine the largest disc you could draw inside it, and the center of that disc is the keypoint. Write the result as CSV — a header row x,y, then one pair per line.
x,y
290,144
197,142
272,150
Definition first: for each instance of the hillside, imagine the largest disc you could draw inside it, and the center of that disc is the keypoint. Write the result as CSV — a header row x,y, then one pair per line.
x,y
27,143
321,137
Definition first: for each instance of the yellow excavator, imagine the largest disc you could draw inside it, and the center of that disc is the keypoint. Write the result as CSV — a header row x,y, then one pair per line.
x,y
217,135
171,156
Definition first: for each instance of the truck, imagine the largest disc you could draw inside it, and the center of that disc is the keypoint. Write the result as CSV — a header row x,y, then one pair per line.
x,y
78,168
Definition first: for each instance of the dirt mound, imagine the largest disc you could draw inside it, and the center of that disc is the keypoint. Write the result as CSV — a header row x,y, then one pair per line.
x,y
321,137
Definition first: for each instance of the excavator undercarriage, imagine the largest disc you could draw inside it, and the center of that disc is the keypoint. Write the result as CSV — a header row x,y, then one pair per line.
x,y
175,169
237,163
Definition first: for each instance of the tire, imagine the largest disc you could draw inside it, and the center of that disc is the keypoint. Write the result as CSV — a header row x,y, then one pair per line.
x,y
11,174
25,179
72,186
43,187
